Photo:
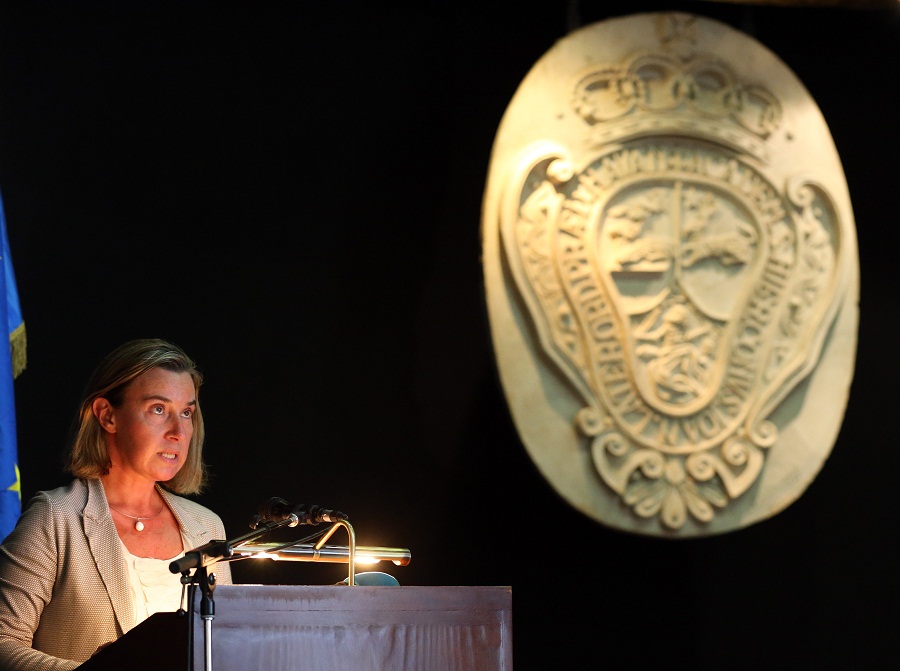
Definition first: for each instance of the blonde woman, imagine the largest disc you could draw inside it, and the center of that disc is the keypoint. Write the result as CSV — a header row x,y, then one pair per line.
x,y
89,561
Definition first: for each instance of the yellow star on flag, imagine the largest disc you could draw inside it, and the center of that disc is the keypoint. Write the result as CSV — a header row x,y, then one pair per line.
x,y
17,485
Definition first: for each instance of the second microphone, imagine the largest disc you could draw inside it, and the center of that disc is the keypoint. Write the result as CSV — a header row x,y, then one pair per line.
x,y
277,509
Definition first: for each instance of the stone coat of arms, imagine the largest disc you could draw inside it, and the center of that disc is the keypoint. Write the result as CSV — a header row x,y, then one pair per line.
x,y
671,274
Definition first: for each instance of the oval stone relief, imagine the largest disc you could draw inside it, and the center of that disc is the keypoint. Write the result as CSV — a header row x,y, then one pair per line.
x,y
671,275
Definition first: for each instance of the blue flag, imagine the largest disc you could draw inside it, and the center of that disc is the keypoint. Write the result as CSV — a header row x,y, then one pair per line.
x,y
12,362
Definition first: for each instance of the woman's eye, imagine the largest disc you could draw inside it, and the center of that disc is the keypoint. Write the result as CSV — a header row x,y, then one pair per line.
x,y
187,413
157,410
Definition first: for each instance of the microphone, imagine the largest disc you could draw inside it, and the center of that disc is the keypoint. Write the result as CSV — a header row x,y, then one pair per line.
x,y
277,509
202,556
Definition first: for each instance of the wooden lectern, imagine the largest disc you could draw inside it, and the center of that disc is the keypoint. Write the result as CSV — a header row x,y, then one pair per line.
x,y
326,628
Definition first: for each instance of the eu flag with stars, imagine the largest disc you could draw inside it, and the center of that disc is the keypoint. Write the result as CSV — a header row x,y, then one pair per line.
x,y
12,362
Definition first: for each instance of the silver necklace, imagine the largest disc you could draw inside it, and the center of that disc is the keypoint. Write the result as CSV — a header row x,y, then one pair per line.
x,y
138,525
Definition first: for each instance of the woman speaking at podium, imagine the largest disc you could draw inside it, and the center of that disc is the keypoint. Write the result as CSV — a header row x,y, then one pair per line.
x,y
89,561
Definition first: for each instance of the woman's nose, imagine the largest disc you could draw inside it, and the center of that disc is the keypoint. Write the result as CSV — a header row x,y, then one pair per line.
x,y
177,429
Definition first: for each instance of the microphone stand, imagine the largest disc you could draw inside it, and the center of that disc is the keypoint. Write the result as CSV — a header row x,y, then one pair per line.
x,y
201,558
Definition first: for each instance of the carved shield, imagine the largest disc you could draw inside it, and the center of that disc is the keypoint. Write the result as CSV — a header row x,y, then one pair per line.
x,y
671,275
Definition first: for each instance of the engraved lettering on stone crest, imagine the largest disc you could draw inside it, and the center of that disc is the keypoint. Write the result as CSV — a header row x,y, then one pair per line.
x,y
680,291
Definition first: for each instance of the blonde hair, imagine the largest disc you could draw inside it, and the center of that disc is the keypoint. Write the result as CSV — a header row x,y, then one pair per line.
x,y
88,455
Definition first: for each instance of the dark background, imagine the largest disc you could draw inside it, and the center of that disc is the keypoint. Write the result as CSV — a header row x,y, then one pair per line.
x,y
292,191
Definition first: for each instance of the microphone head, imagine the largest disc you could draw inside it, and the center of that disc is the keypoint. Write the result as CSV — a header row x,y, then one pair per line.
x,y
275,509
313,514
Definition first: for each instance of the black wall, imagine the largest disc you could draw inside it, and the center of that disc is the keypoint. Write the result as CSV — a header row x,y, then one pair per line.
x,y
292,192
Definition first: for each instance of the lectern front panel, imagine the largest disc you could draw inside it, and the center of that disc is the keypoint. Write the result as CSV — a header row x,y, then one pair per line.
x,y
323,628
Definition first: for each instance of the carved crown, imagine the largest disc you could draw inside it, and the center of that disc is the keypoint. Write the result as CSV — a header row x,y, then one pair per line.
x,y
657,93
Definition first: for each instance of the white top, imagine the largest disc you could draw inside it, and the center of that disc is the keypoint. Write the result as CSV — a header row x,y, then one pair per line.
x,y
154,588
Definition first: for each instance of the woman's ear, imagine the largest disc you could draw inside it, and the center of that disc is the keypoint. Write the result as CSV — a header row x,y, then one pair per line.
x,y
105,414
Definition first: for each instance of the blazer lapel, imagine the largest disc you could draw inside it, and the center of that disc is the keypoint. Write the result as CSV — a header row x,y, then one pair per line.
x,y
106,549
194,532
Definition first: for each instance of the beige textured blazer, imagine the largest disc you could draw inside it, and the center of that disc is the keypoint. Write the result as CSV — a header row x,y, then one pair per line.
x,y
63,581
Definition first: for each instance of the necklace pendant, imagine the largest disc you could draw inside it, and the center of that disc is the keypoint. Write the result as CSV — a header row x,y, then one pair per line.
x,y
139,526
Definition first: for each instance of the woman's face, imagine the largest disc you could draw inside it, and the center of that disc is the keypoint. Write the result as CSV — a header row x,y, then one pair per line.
x,y
150,432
